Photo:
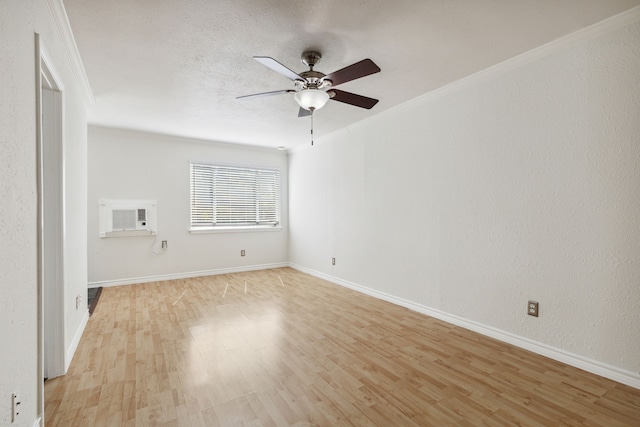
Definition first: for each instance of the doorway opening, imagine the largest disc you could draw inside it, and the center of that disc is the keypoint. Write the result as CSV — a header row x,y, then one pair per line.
x,y
50,169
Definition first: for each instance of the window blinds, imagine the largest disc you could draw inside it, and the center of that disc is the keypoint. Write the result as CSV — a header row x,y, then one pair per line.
x,y
234,196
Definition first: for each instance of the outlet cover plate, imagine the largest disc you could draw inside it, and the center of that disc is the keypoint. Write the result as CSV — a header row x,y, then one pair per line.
x,y
532,308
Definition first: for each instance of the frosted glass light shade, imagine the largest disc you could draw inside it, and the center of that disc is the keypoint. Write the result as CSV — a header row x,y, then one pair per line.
x,y
311,98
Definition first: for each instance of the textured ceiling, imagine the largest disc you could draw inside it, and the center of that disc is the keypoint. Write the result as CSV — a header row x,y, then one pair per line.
x,y
176,66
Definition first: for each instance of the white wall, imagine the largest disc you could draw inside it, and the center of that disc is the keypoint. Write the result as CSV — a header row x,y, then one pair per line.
x,y
133,165
470,201
19,20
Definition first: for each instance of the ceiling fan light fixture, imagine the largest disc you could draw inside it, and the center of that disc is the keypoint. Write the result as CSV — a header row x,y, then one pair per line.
x,y
311,99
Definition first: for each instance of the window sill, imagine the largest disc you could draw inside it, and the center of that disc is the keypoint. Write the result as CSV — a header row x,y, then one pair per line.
x,y
248,229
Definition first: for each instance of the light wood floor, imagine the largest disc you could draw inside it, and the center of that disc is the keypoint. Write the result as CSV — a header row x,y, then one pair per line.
x,y
304,352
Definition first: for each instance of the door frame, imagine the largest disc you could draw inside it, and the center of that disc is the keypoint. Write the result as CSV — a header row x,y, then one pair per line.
x,y
50,195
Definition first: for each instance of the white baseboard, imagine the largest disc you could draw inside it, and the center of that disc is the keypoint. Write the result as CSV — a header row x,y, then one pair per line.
x,y
76,340
187,275
604,370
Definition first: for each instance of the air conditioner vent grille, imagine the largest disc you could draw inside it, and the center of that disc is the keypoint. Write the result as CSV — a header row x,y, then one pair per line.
x,y
124,219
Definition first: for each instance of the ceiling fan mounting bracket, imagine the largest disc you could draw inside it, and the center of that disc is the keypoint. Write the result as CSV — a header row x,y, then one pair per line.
x,y
310,58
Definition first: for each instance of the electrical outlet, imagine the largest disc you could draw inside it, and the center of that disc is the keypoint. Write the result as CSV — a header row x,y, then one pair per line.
x,y
333,261
77,301
242,252
165,245
15,407
532,308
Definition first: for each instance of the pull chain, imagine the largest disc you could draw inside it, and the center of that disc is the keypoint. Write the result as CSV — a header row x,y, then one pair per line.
x,y
312,125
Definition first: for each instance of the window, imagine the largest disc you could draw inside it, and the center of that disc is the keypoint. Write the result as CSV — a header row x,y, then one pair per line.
x,y
234,197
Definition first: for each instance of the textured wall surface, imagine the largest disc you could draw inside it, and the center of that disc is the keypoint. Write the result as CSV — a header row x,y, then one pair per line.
x,y
19,21
134,165
521,186
18,216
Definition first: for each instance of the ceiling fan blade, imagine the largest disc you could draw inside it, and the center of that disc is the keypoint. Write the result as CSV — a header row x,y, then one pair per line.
x,y
278,67
275,92
352,72
353,99
303,112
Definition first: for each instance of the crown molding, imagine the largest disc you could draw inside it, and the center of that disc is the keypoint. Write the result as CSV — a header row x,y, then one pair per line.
x,y
558,45
63,29
561,44
601,28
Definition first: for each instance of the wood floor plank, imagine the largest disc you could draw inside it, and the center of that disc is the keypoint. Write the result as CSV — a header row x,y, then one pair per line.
x,y
294,350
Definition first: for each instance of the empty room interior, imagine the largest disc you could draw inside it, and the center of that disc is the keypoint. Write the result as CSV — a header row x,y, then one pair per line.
x,y
320,213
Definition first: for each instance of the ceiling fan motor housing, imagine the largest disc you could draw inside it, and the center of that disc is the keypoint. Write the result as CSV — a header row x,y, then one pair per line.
x,y
312,80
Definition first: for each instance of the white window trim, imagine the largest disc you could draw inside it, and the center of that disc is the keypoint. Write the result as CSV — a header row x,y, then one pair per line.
x,y
238,229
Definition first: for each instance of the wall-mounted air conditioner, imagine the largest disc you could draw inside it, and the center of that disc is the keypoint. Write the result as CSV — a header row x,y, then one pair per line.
x,y
121,218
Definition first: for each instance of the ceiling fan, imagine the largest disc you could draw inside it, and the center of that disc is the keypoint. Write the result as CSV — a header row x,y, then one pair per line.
x,y
314,89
